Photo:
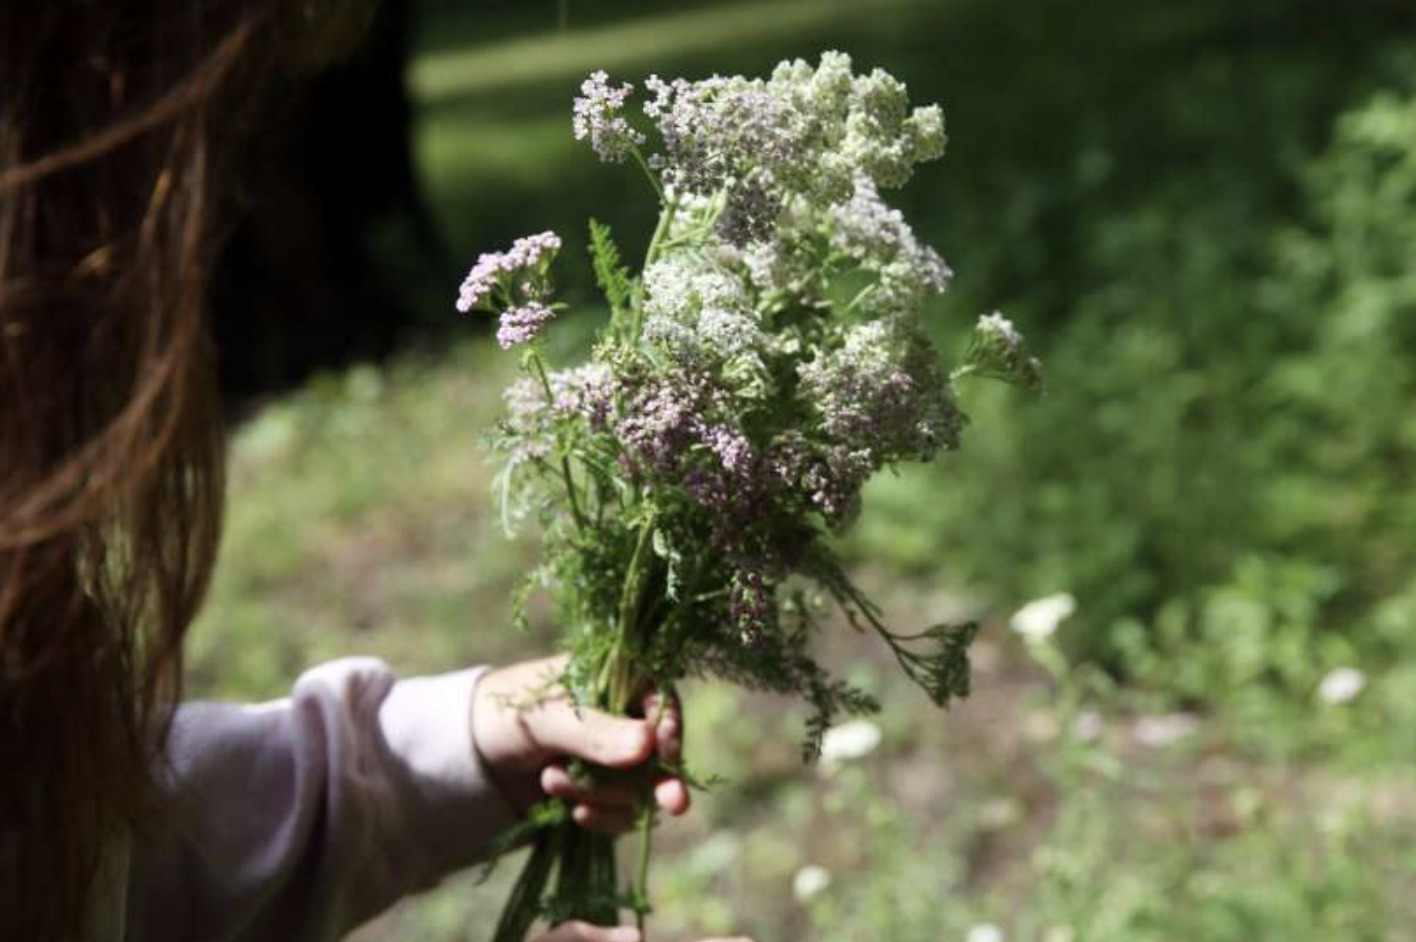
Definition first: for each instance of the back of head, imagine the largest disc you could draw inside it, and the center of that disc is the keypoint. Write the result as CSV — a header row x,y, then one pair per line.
x,y
117,124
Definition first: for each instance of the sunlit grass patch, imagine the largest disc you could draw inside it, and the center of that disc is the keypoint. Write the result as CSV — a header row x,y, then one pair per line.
x,y
576,52
359,519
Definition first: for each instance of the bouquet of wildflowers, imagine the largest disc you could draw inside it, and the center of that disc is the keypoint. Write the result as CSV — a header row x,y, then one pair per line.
x,y
690,477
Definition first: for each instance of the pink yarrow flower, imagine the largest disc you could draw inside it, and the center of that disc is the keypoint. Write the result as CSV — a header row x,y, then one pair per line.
x,y
521,324
493,269
598,115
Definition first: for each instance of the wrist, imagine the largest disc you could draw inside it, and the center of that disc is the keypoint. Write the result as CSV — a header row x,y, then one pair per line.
x,y
500,740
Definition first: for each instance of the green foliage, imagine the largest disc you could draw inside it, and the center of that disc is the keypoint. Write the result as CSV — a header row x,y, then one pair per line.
x,y
1221,472
610,274
937,658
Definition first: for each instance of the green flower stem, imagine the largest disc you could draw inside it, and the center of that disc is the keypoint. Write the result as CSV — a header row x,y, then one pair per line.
x,y
641,886
619,686
666,219
861,295
646,831
564,460
638,156
968,369
698,233
633,589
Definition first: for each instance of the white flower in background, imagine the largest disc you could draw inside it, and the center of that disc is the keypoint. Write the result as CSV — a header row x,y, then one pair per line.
x,y
1038,620
1088,726
715,854
1167,729
849,741
1341,686
809,881
985,932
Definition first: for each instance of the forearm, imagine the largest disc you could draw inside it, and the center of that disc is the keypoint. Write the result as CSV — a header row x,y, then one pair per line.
x,y
301,818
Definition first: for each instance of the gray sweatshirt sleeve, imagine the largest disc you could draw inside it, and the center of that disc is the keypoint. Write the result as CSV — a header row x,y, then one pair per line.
x,y
296,820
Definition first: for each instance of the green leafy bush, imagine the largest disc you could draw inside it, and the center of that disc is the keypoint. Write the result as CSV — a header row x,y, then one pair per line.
x,y
1227,452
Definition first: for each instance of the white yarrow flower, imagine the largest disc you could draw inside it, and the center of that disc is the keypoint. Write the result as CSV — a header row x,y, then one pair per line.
x,y
849,741
810,881
1341,686
1164,730
985,932
1088,726
998,350
998,326
1038,620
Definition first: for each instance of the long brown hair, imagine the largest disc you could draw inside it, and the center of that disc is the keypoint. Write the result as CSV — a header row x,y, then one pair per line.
x,y
117,130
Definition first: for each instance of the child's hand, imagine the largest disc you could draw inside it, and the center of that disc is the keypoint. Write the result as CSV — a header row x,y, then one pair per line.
x,y
585,932
525,728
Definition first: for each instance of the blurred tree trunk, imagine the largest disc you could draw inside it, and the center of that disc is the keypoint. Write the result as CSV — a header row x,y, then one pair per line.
x,y
333,235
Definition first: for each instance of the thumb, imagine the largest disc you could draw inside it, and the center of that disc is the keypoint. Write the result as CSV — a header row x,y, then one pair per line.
x,y
577,931
614,741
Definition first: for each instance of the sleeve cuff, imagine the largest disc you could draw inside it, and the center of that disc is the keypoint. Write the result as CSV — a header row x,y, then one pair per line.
x,y
427,722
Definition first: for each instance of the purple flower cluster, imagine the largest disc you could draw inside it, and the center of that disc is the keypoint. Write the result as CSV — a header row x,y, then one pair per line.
x,y
877,236
750,212
716,130
587,390
521,324
680,428
584,392
599,115
657,425
807,132
829,476
495,270
724,478
683,429
752,603
881,398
